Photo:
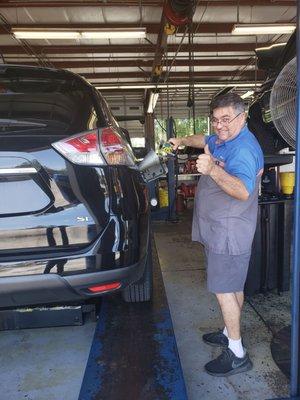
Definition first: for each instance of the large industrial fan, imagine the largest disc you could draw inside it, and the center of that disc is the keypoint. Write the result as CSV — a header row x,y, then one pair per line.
x,y
283,112
283,102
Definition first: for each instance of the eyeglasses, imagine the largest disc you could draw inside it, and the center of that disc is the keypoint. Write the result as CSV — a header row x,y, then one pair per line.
x,y
223,121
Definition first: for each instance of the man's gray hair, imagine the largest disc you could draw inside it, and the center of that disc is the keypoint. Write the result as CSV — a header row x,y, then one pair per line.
x,y
228,100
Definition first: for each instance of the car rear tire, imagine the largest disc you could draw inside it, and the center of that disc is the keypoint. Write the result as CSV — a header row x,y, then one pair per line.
x,y
142,289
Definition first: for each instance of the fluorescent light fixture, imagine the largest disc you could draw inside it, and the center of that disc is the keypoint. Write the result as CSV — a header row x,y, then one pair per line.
x,y
92,34
142,86
262,29
271,47
129,33
47,34
138,141
247,94
152,102
179,85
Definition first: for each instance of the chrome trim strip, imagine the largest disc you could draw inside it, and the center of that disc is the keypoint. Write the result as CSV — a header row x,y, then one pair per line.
x,y
14,171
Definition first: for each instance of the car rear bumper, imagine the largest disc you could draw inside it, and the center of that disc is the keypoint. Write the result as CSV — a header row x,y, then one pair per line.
x,y
18,291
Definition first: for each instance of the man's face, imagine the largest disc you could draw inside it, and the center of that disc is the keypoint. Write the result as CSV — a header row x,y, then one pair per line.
x,y
227,122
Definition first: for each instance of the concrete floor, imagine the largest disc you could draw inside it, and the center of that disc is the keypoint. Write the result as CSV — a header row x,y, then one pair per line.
x,y
34,367
44,364
194,311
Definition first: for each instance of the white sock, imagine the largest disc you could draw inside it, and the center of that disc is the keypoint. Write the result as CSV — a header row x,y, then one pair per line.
x,y
225,332
236,347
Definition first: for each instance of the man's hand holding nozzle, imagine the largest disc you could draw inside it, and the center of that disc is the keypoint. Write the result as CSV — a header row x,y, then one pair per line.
x,y
176,142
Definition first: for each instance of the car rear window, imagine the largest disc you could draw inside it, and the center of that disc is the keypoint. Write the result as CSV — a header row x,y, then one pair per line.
x,y
43,103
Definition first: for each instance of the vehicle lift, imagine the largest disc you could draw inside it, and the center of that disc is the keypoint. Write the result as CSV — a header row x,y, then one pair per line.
x,y
47,316
166,213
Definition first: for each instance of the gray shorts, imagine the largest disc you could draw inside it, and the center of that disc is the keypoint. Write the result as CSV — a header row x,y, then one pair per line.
x,y
226,273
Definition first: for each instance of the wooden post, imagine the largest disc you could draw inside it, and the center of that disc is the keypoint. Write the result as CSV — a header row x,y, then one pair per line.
x,y
149,132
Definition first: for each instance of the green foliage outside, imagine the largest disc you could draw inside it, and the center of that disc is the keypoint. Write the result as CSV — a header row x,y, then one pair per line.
x,y
183,127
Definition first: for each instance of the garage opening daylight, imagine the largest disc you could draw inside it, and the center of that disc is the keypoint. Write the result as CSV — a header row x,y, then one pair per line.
x,y
149,200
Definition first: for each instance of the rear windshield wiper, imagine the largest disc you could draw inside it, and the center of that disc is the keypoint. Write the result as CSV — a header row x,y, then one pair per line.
x,y
18,122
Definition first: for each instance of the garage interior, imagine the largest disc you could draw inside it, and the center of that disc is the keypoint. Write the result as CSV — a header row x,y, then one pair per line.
x,y
170,73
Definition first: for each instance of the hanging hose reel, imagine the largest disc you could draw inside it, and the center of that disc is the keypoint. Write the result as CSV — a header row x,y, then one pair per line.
x,y
179,12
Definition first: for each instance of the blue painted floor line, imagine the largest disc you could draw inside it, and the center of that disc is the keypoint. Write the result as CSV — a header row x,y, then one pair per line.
x,y
134,353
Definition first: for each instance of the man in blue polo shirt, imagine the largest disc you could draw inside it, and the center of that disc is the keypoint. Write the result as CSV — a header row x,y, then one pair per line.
x,y
225,215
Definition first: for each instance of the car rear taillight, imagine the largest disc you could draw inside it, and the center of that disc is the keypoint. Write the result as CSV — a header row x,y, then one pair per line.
x,y
81,149
114,148
96,147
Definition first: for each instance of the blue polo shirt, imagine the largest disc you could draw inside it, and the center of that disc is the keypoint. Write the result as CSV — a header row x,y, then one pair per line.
x,y
241,156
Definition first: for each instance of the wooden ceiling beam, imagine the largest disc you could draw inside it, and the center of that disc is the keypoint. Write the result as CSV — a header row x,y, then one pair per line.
x,y
78,3
160,48
197,74
117,91
128,48
151,28
149,3
142,63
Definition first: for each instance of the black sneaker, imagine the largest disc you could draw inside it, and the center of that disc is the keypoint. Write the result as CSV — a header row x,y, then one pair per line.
x,y
228,364
216,339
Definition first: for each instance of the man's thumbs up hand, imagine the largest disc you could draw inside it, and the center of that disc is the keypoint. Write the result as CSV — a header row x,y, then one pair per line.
x,y
205,162
206,150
